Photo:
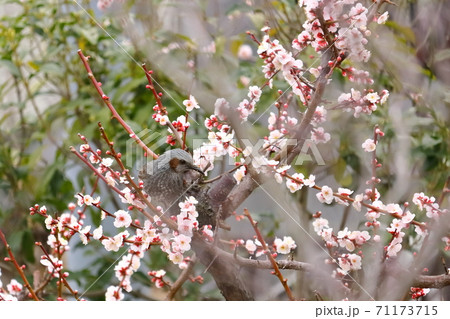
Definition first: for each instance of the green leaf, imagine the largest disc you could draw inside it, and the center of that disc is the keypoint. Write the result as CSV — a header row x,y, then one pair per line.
x,y
11,67
28,246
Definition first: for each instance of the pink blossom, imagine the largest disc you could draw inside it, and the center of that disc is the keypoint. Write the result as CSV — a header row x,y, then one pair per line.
x,y
239,174
295,185
284,246
113,243
114,293
98,232
191,103
369,145
123,219
250,246
245,52
383,18
318,135
319,224
373,97
14,287
325,195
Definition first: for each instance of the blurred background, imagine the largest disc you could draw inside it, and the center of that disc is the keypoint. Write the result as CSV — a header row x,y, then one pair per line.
x,y
201,48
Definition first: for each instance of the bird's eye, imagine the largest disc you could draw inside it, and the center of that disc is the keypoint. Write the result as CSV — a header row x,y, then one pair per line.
x,y
182,161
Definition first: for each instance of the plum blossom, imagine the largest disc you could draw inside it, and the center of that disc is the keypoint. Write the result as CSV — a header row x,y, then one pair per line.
x,y
239,174
14,287
429,204
107,162
373,97
182,243
296,183
245,52
113,243
191,103
114,293
54,265
318,135
325,195
383,18
84,234
349,262
319,224
310,181
250,246
343,192
123,219
284,246
369,145
84,148
98,232
357,202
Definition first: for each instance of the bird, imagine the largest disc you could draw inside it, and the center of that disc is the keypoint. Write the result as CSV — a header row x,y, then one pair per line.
x,y
173,177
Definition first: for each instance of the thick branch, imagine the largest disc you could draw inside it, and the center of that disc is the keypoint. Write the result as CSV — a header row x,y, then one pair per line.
x,y
439,281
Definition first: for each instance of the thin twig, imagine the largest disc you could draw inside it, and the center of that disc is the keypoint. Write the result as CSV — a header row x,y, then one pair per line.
x,y
19,269
108,103
151,87
182,279
62,279
273,262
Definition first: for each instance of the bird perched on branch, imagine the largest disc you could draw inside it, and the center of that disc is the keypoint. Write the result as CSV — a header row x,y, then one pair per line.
x,y
173,177
169,180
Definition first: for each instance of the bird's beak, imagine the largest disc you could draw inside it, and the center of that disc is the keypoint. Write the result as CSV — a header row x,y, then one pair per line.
x,y
195,168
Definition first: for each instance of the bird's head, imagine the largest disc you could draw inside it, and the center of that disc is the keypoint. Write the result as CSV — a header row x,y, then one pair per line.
x,y
176,160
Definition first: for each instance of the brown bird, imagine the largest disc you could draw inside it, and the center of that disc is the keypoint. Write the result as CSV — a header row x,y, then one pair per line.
x,y
173,177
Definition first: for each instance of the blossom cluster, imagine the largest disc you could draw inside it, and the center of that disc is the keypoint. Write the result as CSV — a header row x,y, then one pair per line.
x,y
297,181
277,58
350,240
13,289
429,204
113,178
247,107
62,229
279,126
158,277
178,242
347,263
281,246
220,139
342,22
366,102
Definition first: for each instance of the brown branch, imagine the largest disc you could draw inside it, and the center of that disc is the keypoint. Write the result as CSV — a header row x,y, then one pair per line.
x,y
151,87
16,265
108,103
125,172
96,172
274,264
439,281
62,279
182,279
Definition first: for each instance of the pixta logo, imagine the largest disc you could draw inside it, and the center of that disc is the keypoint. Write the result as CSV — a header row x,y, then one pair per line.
x,y
135,155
